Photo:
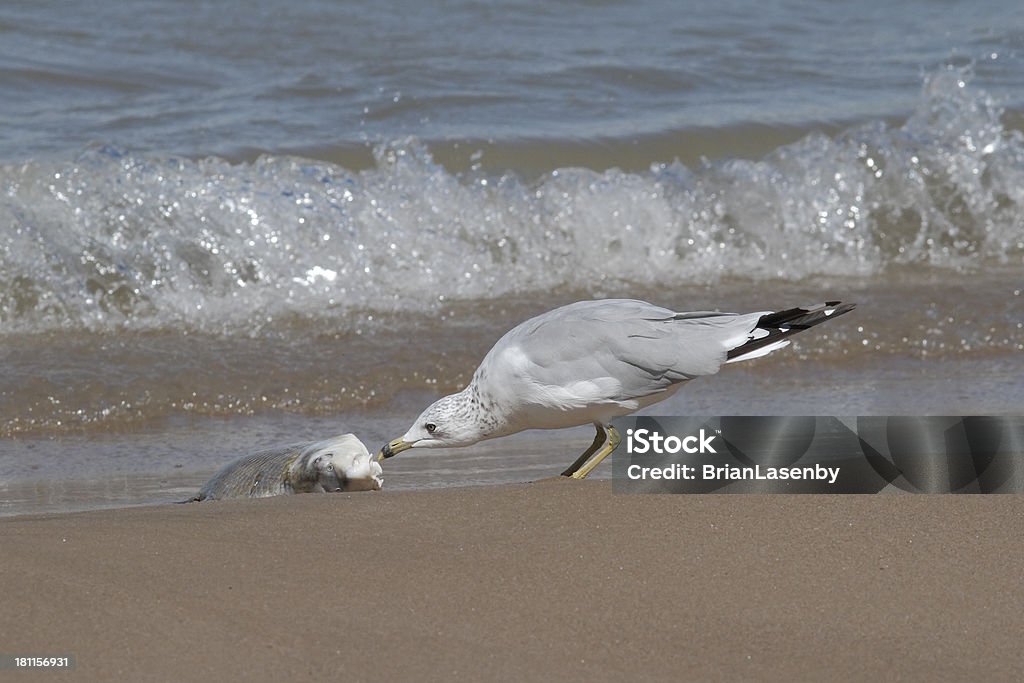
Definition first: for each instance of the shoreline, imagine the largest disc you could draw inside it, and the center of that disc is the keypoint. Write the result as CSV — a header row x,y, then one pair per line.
x,y
555,579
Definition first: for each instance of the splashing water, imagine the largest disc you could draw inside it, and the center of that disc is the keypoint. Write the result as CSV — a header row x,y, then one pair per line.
x,y
112,240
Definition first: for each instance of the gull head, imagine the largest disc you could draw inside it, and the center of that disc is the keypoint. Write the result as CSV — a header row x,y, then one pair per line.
x,y
448,422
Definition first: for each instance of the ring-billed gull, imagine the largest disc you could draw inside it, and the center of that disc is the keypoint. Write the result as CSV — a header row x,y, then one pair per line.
x,y
592,361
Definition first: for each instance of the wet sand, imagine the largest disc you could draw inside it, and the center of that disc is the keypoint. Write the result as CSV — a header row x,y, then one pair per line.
x,y
555,580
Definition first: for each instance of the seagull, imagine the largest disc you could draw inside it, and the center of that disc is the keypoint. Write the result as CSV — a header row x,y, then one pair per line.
x,y
592,361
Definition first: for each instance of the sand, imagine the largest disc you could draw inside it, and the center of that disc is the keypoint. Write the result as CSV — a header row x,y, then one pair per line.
x,y
554,580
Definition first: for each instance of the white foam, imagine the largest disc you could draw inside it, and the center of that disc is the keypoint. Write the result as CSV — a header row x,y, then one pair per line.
x,y
113,239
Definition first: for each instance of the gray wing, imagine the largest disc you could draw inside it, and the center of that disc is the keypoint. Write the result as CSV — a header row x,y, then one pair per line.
x,y
645,347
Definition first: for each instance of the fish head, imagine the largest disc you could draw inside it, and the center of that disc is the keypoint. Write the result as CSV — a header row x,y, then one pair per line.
x,y
344,464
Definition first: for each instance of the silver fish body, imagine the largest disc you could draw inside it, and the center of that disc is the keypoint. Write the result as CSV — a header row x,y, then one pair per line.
x,y
340,463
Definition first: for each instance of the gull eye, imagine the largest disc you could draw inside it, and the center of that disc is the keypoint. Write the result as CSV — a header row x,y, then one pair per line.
x,y
431,427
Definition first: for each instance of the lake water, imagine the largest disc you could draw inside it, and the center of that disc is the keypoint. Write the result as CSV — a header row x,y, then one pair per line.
x,y
225,226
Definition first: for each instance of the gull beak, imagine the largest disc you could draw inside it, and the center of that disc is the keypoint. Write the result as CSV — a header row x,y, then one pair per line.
x,y
393,448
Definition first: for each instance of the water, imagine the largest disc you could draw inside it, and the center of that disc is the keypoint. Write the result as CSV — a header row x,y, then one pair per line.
x,y
229,225
236,78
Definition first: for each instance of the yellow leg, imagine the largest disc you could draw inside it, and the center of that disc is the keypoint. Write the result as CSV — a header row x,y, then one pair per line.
x,y
599,440
613,442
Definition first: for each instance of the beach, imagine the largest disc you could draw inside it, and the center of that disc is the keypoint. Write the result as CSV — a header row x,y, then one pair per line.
x,y
551,580
227,227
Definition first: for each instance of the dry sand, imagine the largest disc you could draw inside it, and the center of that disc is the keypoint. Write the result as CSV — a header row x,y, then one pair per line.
x,y
556,580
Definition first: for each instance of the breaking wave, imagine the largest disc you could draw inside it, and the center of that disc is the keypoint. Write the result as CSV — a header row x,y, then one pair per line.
x,y
112,239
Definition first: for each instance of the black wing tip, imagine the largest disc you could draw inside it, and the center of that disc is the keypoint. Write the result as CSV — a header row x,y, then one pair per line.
x,y
829,307
783,324
839,308
805,316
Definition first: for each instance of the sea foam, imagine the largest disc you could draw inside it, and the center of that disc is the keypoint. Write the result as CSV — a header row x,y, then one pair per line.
x,y
112,239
